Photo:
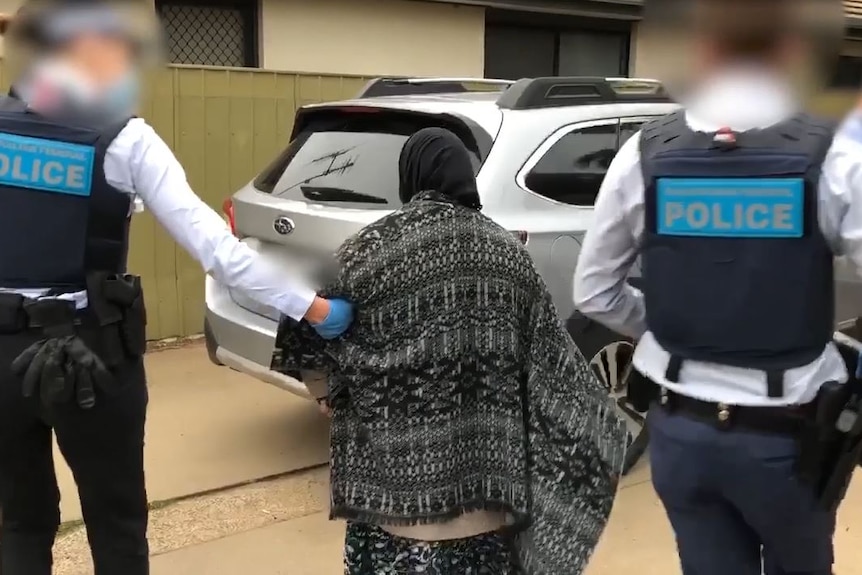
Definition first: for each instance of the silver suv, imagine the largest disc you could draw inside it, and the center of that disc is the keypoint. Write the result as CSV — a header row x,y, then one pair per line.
x,y
541,148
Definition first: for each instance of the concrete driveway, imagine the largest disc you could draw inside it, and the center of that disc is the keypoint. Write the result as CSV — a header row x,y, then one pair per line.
x,y
211,428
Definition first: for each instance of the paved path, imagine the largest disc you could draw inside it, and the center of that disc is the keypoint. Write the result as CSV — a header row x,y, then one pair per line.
x,y
638,540
210,427
307,546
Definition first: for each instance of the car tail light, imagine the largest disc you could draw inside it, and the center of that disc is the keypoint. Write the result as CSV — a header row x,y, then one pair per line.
x,y
521,235
227,208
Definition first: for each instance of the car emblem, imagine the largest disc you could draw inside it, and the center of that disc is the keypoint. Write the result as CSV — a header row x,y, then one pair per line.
x,y
283,225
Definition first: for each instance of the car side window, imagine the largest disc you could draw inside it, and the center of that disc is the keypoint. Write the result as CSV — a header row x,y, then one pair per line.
x,y
572,170
629,128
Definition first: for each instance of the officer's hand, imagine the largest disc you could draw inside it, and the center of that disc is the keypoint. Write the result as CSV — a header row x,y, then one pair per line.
x,y
337,321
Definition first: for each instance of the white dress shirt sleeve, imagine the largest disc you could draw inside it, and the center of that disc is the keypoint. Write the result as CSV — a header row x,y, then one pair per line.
x,y
611,247
141,163
840,202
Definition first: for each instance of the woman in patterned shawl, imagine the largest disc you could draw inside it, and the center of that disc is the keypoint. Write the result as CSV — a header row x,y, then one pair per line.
x,y
468,434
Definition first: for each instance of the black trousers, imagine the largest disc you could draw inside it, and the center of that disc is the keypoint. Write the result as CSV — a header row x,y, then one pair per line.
x,y
104,448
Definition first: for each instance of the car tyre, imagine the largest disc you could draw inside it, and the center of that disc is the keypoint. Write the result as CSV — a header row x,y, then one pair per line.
x,y
610,358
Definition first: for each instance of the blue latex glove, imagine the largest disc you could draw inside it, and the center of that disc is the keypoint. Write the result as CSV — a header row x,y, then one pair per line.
x,y
337,321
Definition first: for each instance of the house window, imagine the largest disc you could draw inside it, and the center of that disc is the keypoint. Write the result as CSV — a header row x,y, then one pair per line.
x,y
581,53
527,45
215,33
848,73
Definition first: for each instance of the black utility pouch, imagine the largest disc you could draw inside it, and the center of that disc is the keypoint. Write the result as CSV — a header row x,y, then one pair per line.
x,y
811,457
133,328
125,292
820,441
641,391
107,342
12,317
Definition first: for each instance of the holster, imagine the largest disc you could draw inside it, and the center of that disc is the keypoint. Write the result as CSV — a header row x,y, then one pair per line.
x,y
641,391
846,457
117,302
12,317
830,444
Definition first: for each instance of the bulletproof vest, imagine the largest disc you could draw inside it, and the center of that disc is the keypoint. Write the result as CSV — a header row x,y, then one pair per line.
x,y
736,270
59,217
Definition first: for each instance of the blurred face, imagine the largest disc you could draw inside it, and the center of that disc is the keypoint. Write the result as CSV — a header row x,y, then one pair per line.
x,y
105,60
698,39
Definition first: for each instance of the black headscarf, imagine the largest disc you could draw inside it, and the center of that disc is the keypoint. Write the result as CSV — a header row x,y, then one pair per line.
x,y
436,160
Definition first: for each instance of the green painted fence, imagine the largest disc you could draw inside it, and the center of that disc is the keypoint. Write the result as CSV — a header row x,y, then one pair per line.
x,y
225,124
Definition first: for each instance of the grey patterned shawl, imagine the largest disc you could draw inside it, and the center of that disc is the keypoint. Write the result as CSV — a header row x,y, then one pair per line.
x,y
457,388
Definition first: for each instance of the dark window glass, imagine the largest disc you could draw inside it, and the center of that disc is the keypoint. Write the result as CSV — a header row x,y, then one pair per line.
x,y
848,73
629,129
573,169
530,44
513,53
350,161
584,53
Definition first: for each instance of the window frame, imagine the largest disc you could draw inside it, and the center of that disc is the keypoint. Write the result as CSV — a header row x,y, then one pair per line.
x,y
559,134
557,24
631,120
251,12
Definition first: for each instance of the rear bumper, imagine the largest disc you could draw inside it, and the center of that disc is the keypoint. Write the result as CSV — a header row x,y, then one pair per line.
x,y
242,340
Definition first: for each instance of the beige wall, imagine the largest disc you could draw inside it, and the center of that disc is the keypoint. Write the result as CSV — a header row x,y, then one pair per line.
x,y
367,37
373,37
649,54
8,6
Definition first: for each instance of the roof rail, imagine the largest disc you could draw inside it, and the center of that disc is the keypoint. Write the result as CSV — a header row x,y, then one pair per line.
x,y
396,86
553,92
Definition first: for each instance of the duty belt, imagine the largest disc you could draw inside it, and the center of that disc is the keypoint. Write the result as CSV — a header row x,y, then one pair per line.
x,y
783,420
19,313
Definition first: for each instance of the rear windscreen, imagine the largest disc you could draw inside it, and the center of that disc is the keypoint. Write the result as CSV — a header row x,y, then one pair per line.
x,y
346,159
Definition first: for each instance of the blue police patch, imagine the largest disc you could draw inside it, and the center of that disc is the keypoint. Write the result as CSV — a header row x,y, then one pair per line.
x,y
46,165
731,207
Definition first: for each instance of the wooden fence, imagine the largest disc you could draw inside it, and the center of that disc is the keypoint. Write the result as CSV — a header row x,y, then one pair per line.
x,y
224,124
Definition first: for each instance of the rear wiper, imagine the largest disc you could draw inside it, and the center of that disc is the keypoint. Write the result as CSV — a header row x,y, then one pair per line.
x,y
327,194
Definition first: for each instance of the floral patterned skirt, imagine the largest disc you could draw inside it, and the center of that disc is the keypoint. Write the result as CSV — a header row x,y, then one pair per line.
x,y
369,550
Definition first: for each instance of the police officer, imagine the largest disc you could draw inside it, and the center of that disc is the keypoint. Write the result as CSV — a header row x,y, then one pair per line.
x,y
735,205
73,164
